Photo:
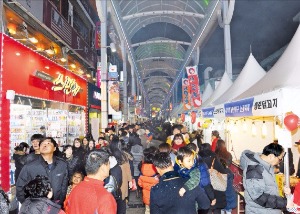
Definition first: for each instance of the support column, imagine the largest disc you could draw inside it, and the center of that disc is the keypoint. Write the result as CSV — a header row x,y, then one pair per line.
x,y
104,112
125,96
228,8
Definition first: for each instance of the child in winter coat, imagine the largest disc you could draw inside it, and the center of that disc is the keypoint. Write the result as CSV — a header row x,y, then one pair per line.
x,y
197,172
148,178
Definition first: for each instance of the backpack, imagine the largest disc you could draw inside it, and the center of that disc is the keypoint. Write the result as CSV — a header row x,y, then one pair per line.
x,y
111,185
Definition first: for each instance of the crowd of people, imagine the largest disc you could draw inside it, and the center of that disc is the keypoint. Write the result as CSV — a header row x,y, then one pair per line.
x,y
168,167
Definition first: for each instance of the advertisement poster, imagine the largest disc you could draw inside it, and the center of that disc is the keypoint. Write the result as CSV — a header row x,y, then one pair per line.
x,y
194,86
186,94
113,97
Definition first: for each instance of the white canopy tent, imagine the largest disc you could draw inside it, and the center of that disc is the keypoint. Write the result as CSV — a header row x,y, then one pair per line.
x,y
283,78
275,94
208,91
224,84
250,74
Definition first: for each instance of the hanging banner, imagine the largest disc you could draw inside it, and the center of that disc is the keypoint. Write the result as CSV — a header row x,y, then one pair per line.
x,y
192,73
113,97
98,36
98,74
208,112
239,108
186,94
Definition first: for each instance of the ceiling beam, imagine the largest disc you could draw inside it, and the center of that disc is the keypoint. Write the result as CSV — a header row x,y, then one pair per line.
x,y
159,57
160,41
163,12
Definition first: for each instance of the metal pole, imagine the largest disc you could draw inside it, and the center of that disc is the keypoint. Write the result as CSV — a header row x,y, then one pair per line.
x,y
104,113
227,38
125,96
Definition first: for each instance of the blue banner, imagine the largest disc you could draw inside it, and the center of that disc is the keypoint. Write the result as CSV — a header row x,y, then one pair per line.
x,y
239,108
208,112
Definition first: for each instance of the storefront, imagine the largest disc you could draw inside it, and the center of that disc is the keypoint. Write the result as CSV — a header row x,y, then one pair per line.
x,y
94,103
36,92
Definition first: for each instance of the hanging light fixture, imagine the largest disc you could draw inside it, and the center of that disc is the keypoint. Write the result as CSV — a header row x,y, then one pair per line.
x,y
277,129
244,125
254,130
264,130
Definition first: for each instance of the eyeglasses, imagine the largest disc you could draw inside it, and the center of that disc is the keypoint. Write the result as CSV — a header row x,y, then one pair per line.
x,y
280,159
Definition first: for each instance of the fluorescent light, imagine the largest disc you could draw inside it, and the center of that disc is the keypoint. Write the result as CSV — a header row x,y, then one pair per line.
x,y
113,47
33,40
88,75
50,51
63,59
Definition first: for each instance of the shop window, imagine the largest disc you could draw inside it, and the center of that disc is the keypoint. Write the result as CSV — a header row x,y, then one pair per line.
x,y
57,4
80,27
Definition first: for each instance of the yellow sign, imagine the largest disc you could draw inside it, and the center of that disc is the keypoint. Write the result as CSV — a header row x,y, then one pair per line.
x,y
67,85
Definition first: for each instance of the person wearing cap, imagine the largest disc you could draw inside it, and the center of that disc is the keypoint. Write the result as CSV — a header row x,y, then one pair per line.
x,y
47,165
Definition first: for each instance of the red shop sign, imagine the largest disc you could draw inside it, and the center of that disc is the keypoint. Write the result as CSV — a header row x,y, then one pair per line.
x,y
31,74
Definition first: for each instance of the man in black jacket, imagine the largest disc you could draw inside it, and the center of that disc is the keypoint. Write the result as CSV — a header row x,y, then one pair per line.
x,y
165,198
46,165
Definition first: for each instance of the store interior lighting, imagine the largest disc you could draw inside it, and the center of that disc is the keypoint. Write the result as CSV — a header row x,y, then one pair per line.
x,y
50,51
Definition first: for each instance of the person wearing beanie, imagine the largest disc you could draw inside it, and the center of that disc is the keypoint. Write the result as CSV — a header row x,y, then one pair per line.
x,y
49,165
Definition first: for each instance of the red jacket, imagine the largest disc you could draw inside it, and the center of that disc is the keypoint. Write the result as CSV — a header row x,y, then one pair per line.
x,y
214,144
90,197
148,179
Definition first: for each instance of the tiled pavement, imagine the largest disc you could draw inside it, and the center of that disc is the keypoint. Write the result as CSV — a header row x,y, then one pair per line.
x,y
135,205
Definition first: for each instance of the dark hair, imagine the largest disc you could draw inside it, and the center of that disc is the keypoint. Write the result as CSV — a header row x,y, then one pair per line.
x,y
205,146
39,187
95,160
215,133
176,126
115,147
273,148
184,152
51,140
192,146
36,137
178,136
101,138
66,147
220,147
162,160
165,147
149,158
77,172
21,146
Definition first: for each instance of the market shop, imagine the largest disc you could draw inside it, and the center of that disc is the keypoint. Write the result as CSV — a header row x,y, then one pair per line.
x,y
37,92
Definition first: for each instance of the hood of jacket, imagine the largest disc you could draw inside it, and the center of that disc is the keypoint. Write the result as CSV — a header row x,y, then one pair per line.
x,y
148,169
252,158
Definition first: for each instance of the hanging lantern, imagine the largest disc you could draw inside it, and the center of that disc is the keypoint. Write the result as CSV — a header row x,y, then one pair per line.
x,y
193,117
264,130
182,117
291,122
254,130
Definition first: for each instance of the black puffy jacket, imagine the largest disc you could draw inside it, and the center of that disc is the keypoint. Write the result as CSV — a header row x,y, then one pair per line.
x,y
39,206
58,176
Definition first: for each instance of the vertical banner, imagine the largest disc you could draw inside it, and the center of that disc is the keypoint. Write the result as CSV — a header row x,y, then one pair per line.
x,y
98,36
98,74
194,86
113,97
186,94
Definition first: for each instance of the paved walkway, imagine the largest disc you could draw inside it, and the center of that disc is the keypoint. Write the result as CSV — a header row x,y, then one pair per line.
x,y
135,204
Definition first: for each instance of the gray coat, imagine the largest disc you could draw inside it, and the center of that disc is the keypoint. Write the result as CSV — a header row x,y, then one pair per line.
x,y
261,190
